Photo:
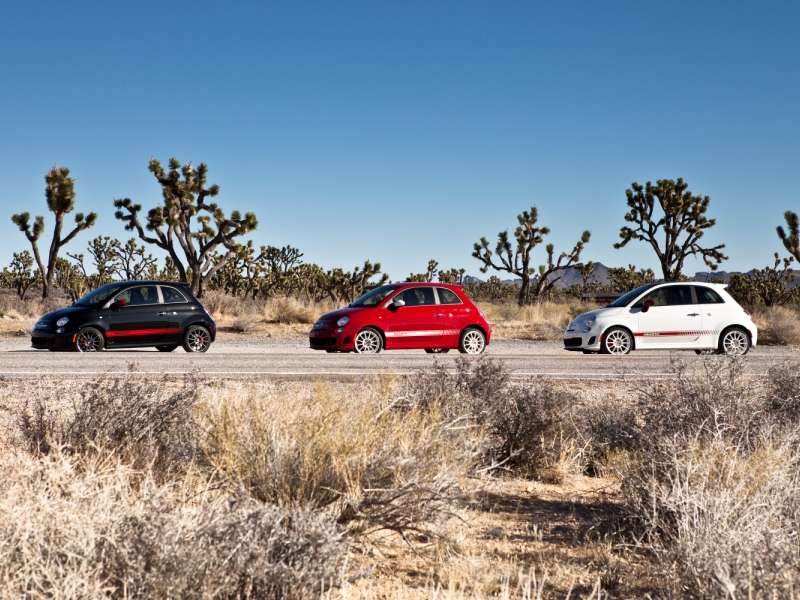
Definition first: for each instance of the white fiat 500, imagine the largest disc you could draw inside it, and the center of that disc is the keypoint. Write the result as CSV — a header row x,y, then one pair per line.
x,y
666,316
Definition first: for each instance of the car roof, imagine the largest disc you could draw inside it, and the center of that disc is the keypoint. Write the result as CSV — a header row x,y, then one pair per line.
x,y
427,284
150,282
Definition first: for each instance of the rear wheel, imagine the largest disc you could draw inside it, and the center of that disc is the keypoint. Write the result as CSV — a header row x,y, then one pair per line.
x,y
368,341
616,340
473,341
197,339
167,347
90,339
734,342
437,350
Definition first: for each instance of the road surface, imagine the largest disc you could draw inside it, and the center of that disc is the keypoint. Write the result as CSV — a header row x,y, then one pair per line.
x,y
232,358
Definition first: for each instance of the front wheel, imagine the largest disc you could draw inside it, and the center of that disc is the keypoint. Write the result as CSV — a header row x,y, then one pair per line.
x,y
734,342
368,341
90,339
197,339
616,341
473,341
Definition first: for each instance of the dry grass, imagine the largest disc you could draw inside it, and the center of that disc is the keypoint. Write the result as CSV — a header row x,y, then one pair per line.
x,y
543,321
778,325
373,467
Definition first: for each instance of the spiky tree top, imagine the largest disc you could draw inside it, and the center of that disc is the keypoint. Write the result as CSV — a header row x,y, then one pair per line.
x,y
674,233
187,217
791,236
60,195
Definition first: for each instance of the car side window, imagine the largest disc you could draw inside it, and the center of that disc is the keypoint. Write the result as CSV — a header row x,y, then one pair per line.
x,y
138,296
447,296
418,296
707,296
172,295
671,295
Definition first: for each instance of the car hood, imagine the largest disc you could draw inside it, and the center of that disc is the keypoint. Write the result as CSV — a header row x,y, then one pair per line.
x,y
342,312
599,312
67,311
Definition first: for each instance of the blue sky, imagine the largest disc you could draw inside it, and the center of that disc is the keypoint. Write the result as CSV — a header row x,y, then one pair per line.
x,y
401,131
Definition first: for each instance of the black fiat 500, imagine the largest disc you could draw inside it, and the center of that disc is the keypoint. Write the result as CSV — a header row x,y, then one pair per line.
x,y
130,314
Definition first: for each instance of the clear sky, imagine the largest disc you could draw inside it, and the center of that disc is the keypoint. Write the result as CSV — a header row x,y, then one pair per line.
x,y
406,130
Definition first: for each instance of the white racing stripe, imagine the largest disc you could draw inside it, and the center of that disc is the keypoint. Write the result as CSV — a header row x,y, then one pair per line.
x,y
420,333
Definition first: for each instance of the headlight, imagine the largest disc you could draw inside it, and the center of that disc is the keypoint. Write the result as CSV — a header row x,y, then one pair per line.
x,y
343,321
62,321
587,325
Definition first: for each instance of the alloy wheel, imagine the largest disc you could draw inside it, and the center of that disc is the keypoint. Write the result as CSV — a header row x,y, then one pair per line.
x,y
618,341
473,342
89,340
368,341
197,339
735,343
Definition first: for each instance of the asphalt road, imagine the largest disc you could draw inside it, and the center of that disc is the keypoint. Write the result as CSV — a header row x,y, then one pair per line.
x,y
232,358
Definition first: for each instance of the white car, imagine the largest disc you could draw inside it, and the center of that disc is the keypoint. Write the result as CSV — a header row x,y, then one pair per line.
x,y
666,316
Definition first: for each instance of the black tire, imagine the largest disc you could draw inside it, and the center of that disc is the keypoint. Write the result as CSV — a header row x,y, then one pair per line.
x,y
89,339
616,340
734,341
197,339
588,351
437,350
167,347
472,341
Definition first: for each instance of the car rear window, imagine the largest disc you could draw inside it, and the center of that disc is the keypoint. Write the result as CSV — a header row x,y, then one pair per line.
x,y
447,297
707,296
172,296
418,296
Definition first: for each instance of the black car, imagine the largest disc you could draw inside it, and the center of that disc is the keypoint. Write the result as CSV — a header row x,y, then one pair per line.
x,y
129,314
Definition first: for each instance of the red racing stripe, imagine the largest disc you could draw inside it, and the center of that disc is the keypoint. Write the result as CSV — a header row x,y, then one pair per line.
x,y
141,332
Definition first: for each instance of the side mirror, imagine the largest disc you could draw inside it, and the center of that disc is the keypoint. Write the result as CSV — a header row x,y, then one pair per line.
x,y
117,304
647,304
397,303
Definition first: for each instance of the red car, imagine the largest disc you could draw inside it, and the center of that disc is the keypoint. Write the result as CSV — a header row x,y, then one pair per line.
x,y
435,317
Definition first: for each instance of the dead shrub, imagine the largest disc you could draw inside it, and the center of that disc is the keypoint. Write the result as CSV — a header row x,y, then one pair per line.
x,y
289,310
374,467
783,392
529,424
141,419
778,325
720,518
104,530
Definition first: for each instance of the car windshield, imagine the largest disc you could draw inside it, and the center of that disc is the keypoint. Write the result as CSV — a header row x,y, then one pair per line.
x,y
629,297
100,295
373,297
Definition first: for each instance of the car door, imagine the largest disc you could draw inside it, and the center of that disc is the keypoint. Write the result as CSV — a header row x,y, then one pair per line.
x,y
671,321
136,322
713,312
454,314
177,309
416,324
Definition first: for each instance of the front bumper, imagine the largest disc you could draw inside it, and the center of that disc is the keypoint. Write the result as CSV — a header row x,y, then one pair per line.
x,y
51,341
577,339
330,339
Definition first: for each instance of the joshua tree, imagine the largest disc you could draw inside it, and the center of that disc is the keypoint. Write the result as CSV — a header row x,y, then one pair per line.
x,y
791,236
517,259
20,273
452,276
428,275
60,194
131,261
623,280
675,233
187,221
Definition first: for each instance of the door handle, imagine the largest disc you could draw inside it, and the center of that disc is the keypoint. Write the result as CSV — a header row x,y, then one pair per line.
x,y
439,314
693,315
166,314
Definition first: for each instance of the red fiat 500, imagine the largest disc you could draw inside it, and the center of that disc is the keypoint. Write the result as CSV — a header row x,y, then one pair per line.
x,y
431,316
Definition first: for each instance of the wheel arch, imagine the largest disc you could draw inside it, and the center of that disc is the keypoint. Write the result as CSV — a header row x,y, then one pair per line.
x,y
376,328
730,326
477,326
